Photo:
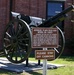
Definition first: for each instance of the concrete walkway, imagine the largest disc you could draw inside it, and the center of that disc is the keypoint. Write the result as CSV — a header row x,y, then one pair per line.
x,y
19,68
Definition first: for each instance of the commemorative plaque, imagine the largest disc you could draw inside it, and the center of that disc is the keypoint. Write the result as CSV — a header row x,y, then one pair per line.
x,y
44,37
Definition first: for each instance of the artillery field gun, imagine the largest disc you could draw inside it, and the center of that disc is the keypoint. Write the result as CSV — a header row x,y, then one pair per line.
x,y
17,37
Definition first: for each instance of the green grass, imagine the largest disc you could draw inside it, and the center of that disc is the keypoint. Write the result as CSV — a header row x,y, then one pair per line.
x,y
67,70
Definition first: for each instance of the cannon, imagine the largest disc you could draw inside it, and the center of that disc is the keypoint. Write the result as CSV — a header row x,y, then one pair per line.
x,y
17,36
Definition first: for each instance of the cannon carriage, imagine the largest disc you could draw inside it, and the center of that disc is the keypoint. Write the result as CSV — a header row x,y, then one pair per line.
x,y
17,36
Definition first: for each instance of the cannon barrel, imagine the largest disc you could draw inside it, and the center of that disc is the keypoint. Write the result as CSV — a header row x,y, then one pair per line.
x,y
57,18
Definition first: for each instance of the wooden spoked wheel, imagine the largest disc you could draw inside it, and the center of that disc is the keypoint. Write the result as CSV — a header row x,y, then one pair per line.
x,y
17,41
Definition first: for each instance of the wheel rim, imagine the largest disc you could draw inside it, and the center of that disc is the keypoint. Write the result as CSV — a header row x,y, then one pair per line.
x,y
61,44
17,41
59,50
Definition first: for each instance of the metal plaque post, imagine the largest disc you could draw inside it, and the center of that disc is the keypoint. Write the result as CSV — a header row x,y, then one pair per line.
x,y
45,65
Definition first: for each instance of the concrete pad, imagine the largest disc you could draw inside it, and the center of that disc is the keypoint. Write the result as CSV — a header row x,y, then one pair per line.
x,y
19,68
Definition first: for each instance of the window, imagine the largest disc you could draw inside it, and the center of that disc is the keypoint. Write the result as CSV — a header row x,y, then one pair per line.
x,y
53,8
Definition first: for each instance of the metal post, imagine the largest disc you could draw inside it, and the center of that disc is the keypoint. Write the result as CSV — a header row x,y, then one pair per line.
x,y
38,62
27,62
45,65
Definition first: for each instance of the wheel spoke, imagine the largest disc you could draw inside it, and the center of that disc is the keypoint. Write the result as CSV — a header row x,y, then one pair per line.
x,y
17,27
56,50
6,39
17,53
20,53
23,50
19,30
59,46
12,30
22,44
10,53
22,34
8,46
23,39
8,34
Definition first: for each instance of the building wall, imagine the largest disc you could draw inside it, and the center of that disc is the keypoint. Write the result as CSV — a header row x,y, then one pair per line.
x,y
31,7
4,11
68,27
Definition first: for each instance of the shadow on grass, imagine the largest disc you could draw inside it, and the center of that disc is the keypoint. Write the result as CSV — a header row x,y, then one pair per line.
x,y
34,73
4,72
67,58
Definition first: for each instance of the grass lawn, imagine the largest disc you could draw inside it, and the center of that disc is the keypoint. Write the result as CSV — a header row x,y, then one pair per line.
x,y
67,70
